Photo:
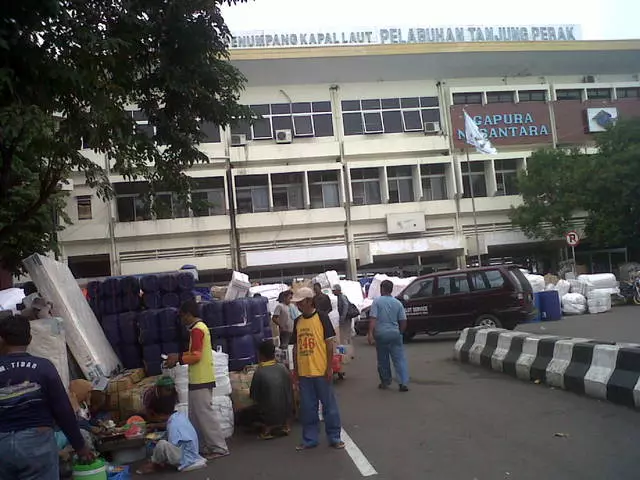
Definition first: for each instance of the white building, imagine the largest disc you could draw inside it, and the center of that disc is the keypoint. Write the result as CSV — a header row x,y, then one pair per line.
x,y
358,161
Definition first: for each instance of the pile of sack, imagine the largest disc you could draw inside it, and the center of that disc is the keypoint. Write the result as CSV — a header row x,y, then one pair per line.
x,y
590,293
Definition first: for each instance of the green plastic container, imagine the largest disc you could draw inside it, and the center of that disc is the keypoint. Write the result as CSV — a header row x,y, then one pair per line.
x,y
93,471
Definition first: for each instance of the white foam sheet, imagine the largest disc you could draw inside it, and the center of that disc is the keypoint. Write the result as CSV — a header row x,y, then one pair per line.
x,y
599,280
353,291
11,297
399,284
48,341
271,292
84,336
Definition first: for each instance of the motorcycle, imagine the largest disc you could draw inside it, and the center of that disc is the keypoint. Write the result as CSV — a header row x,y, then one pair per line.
x,y
631,291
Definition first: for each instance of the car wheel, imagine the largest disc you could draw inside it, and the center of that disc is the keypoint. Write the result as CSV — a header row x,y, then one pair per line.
x,y
488,321
407,337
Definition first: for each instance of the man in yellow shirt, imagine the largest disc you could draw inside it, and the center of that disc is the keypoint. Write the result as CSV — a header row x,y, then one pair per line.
x,y
314,346
202,380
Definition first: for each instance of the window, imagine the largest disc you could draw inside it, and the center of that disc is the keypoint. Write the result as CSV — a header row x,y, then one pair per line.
x,y
434,181
208,197
507,177
499,97
599,93
478,179
169,205
388,115
210,132
142,123
365,184
323,189
304,119
452,284
532,96
420,289
252,193
467,99
400,181
132,201
569,94
287,191
83,204
486,280
628,92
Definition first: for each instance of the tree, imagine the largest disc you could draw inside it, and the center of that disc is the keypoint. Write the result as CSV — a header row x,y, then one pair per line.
x,y
605,187
71,69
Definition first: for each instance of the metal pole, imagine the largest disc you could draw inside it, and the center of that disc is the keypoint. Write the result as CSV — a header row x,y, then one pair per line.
x,y
573,254
473,207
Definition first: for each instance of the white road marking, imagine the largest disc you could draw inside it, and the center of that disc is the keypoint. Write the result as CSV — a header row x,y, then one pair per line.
x,y
365,467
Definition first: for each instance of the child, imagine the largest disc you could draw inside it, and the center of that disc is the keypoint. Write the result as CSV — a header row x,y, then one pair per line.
x,y
180,450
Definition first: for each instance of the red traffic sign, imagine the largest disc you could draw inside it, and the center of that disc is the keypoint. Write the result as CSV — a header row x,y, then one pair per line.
x,y
572,238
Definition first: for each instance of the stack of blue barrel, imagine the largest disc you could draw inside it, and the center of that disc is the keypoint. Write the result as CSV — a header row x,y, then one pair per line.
x,y
238,326
161,332
167,290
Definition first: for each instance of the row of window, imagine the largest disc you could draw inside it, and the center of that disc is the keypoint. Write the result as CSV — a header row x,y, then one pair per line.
x,y
389,115
455,283
475,98
287,191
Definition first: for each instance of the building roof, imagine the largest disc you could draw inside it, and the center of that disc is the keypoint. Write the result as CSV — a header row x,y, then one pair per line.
x,y
405,62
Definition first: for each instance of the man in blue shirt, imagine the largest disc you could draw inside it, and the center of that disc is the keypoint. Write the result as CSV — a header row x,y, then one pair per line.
x,y
387,323
32,402
180,449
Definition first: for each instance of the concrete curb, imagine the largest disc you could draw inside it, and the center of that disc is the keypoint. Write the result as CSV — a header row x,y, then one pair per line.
x,y
598,369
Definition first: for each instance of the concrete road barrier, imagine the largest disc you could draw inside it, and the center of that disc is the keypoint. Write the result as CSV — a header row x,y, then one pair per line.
x,y
598,369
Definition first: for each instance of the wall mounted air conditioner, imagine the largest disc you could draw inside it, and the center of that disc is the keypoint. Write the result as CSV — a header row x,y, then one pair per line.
x,y
238,140
284,136
431,127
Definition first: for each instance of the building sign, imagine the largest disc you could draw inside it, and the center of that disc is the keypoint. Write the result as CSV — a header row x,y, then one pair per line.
x,y
386,36
576,122
505,124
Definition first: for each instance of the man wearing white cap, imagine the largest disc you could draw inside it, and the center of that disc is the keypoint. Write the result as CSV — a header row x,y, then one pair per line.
x,y
314,345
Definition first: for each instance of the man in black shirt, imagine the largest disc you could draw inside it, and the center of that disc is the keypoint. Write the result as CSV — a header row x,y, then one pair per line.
x,y
321,301
272,394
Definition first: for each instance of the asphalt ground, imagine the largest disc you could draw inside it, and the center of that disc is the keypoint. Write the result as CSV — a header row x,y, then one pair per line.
x,y
459,422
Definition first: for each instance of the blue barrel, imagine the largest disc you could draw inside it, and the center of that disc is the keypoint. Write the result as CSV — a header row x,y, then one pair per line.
x,y
149,329
267,333
130,301
94,289
550,305
171,347
152,353
213,314
128,323
152,300
259,313
130,285
153,367
149,283
170,299
186,295
237,317
168,282
111,287
220,342
186,281
111,329
537,303
242,347
131,356
110,305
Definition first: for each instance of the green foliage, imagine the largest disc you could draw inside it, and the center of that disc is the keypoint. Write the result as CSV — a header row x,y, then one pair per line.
x,y
85,62
605,187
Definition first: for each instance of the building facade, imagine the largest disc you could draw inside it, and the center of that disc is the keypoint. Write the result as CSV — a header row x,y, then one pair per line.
x,y
359,161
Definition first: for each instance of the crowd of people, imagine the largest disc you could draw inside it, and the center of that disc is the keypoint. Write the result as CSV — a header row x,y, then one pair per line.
x,y
41,423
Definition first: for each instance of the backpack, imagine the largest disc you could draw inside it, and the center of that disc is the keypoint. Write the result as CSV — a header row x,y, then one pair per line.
x,y
352,311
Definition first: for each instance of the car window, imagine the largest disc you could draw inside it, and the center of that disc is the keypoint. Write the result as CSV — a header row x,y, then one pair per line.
x,y
420,289
451,284
486,280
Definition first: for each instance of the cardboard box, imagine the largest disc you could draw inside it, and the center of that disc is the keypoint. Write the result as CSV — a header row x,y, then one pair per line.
x,y
126,380
240,388
131,401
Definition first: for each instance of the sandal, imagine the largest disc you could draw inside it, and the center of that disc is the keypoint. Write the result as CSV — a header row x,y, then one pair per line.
x,y
338,445
303,447
213,456
266,436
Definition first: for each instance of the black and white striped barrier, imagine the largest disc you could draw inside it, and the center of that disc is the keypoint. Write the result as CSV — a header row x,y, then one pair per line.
x,y
602,370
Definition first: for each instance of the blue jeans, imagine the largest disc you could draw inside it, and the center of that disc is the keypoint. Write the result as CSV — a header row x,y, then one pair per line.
x,y
389,346
29,455
312,391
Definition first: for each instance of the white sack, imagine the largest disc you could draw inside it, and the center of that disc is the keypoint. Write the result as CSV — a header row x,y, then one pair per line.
x,y
574,304
599,280
223,413
10,298
84,335
48,341
271,292
578,286
353,291
537,282
399,284
563,287
221,369
599,304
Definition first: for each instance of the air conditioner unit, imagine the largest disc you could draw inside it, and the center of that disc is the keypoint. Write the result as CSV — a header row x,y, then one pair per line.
x,y
284,136
431,127
238,140
589,79
66,186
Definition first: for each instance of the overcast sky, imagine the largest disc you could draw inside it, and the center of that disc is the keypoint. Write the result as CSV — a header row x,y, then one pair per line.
x,y
599,19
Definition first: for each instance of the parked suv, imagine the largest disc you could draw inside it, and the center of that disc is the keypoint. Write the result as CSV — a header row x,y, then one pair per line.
x,y
448,301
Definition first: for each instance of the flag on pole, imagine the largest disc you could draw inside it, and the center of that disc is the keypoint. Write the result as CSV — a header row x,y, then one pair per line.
x,y
476,138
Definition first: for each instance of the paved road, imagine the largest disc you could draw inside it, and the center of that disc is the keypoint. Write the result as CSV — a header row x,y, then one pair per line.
x,y
461,422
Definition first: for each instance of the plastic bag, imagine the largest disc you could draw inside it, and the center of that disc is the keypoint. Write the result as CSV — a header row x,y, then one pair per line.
x,y
574,304
223,413
221,368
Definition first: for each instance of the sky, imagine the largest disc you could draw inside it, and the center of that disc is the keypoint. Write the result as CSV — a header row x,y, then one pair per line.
x,y
599,19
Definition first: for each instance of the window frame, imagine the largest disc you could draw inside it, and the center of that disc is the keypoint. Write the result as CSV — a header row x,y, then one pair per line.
x,y
501,96
322,183
397,178
84,201
434,176
500,173
454,275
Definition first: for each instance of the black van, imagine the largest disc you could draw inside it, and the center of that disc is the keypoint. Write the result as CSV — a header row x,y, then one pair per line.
x,y
449,301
